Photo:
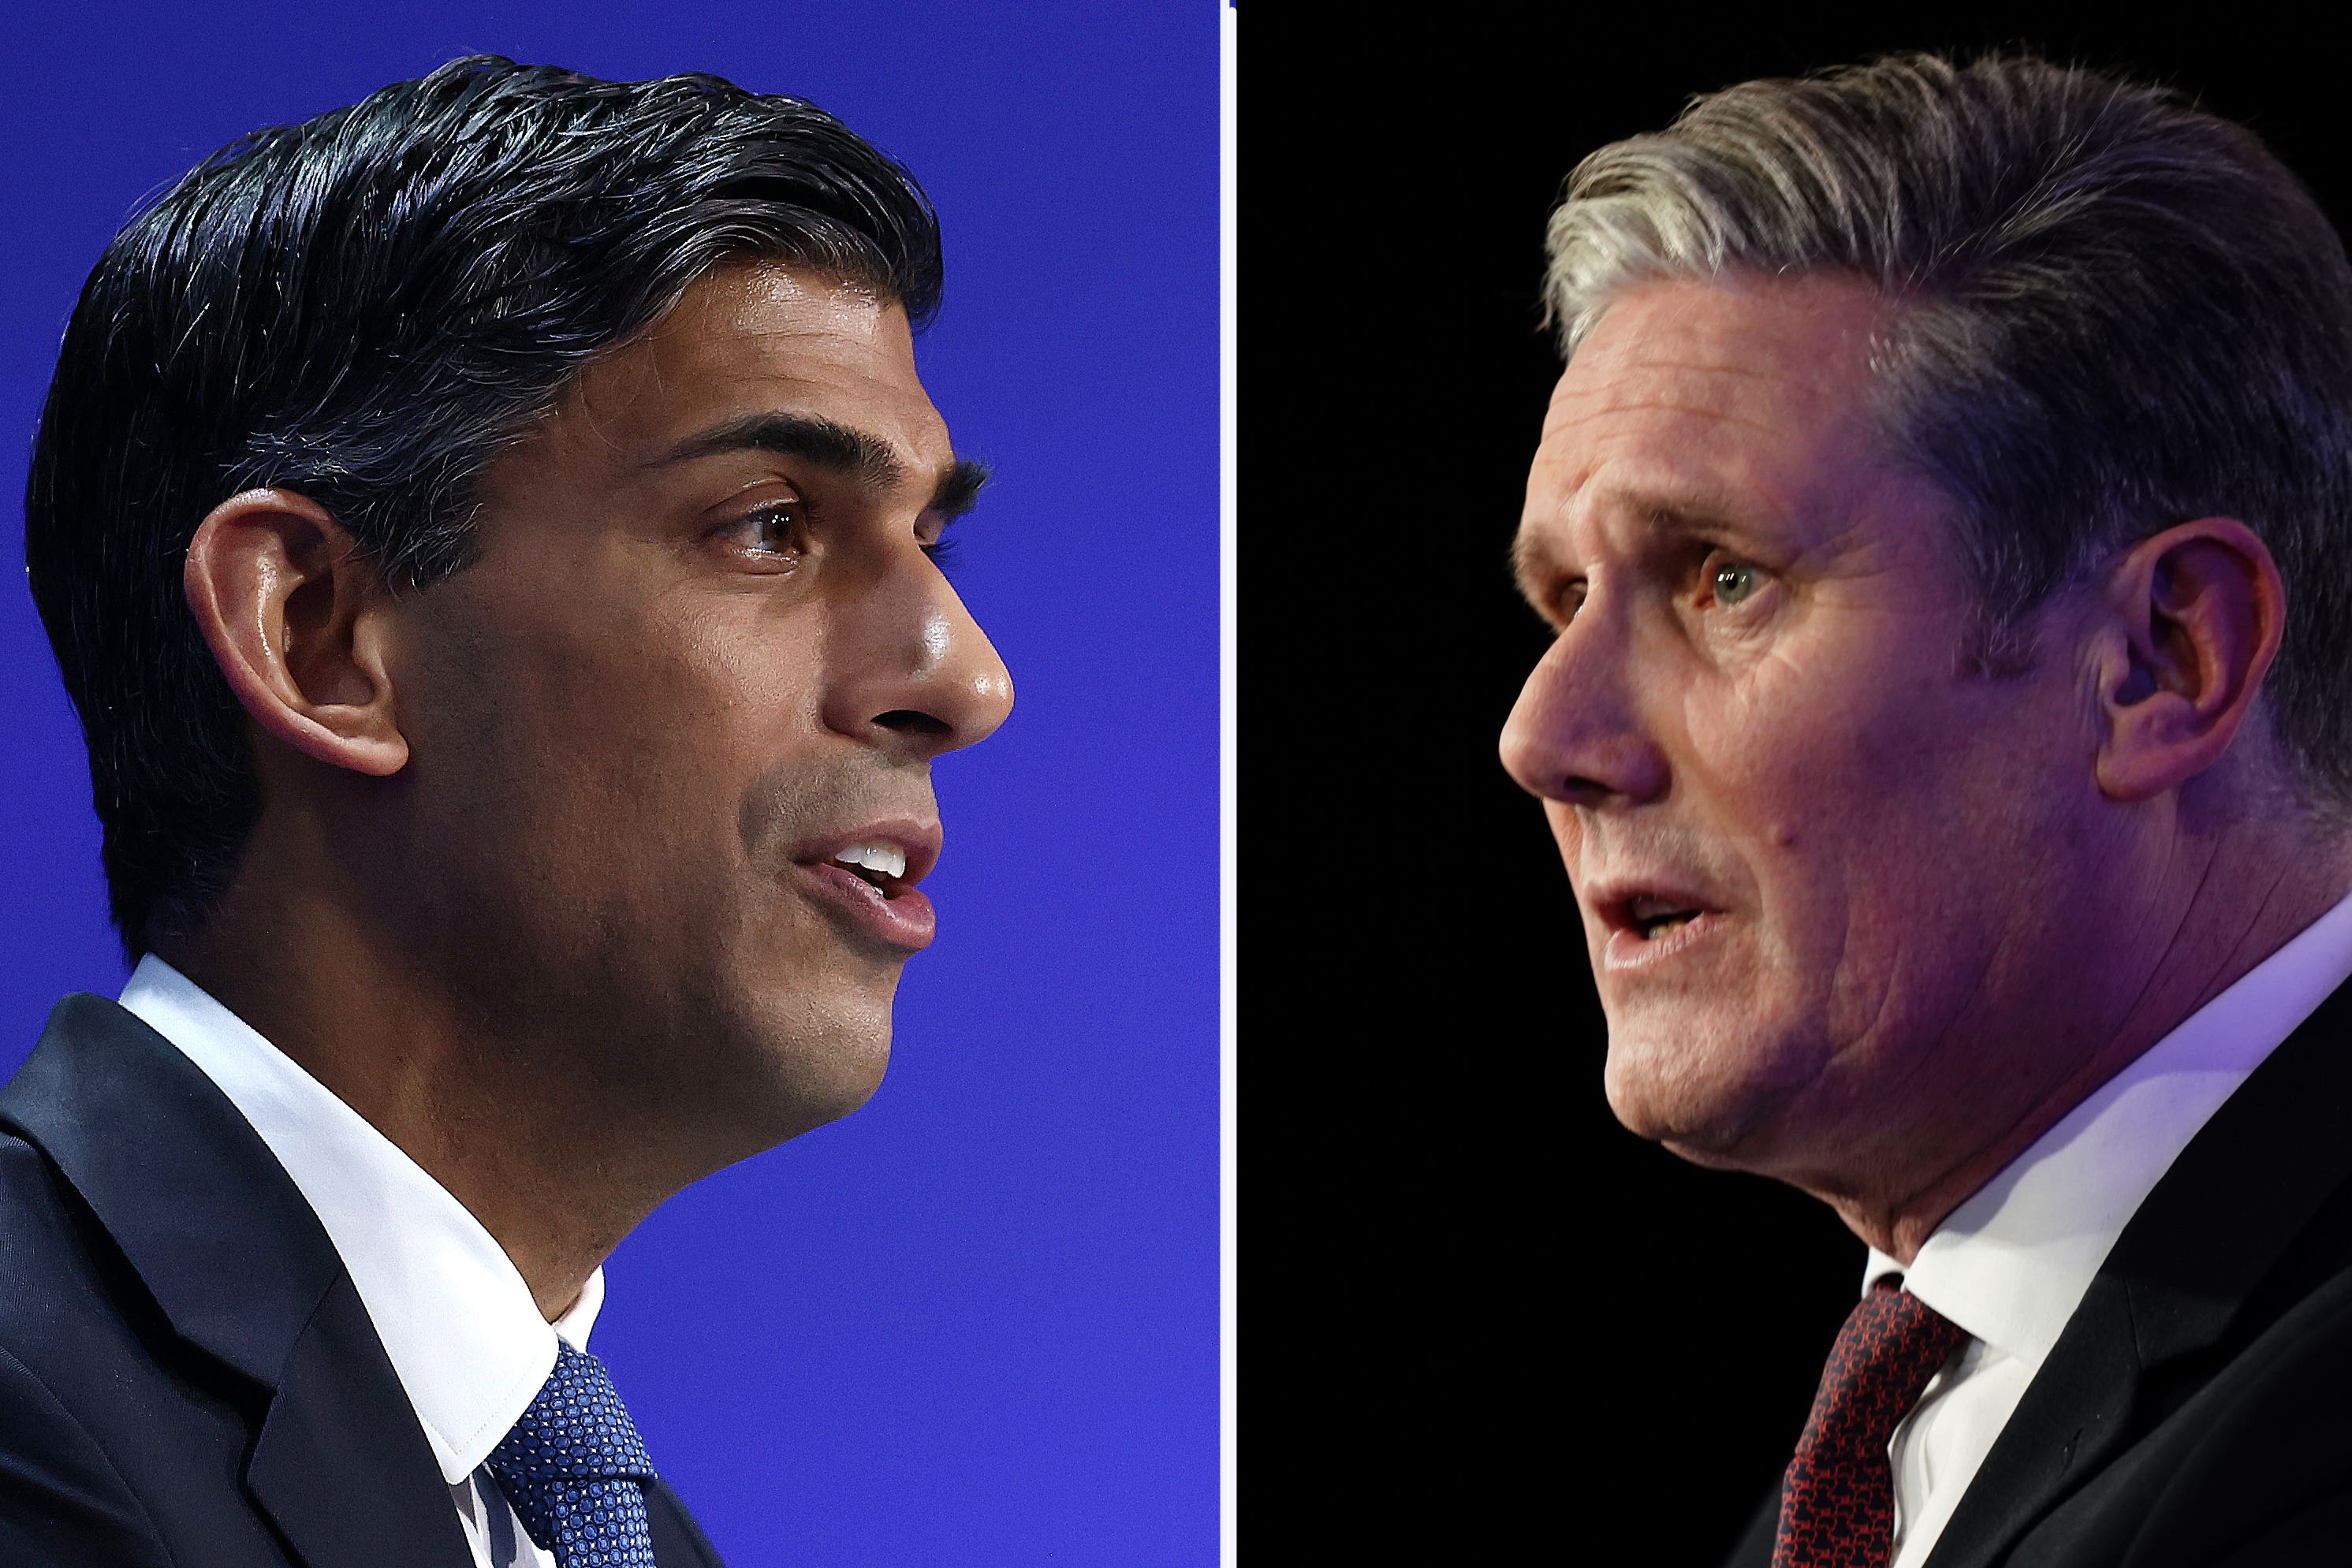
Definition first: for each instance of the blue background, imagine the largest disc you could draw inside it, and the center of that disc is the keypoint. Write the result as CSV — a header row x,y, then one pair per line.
x,y
975,1323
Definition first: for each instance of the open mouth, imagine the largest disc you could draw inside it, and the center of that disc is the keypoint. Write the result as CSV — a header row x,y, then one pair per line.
x,y
870,878
1650,917
882,867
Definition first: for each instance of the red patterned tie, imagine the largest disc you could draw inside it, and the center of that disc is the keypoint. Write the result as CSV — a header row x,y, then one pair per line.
x,y
1837,1502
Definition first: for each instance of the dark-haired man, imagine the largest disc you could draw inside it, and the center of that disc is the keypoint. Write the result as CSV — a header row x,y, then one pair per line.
x,y
1942,518
487,534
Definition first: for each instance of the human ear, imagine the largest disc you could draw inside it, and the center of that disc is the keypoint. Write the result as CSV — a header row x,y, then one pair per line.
x,y
292,610
2201,608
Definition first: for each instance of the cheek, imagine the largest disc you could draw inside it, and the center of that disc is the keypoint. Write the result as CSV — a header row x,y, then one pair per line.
x,y
1764,755
618,738
1887,824
666,697
1838,796
753,676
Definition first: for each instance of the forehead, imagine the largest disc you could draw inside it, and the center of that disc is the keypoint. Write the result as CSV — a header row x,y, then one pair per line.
x,y
759,337
1743,396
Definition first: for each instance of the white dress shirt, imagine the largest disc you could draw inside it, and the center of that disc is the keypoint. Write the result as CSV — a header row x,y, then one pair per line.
x,y
458,1321
2012,1263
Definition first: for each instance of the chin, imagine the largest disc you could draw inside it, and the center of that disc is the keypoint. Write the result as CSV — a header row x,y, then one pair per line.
x,y
817,1065
1714,1102
849,1082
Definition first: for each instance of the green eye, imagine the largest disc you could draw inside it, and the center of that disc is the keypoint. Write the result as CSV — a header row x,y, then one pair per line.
x,y
1733,582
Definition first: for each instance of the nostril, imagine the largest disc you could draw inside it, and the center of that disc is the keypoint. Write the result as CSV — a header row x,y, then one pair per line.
x,y
912,721
1577,791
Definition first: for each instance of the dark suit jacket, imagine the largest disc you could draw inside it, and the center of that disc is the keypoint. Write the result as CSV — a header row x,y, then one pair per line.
x,y
2198,1409
187,1378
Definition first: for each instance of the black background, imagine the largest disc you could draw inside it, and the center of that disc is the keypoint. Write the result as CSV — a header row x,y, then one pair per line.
x,y
1472,1307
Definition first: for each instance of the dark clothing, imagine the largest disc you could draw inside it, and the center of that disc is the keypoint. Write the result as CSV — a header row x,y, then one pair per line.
x,y
187,1378
2198,1409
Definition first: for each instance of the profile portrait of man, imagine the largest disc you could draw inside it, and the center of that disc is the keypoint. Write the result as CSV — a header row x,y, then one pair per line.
x,y
1946,729
487,535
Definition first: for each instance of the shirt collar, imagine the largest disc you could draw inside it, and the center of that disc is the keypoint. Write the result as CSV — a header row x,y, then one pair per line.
x,y
457,1320
2011,1264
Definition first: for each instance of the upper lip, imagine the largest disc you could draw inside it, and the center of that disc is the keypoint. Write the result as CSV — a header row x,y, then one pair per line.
x,y
918,841
1616,899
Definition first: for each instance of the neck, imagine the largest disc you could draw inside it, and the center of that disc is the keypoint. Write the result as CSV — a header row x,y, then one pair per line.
x,y
518,1146
2253,892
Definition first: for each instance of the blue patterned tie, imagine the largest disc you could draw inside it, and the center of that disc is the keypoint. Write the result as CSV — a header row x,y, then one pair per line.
x,y
576,1469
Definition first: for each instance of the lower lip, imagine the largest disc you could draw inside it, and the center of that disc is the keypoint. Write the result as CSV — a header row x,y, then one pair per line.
x,y
1628,949
907,921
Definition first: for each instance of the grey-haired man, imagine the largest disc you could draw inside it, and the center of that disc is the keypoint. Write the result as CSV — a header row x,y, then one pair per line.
x,y
1943,515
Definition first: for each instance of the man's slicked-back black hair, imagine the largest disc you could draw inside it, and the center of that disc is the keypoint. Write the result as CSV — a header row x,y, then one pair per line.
x,y
362,307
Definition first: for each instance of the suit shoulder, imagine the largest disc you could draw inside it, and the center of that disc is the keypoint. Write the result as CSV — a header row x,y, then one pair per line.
x,y
115,1433
2262,1448
76,1323
38,1233
61,1500
50,1254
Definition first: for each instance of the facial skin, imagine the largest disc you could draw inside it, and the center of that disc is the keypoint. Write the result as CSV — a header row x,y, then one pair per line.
x,y
542,885
1934,906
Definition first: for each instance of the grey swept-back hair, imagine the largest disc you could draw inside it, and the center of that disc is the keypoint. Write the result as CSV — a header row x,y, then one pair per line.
x,y
2115,312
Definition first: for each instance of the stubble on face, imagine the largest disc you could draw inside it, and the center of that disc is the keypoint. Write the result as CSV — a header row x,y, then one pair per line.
x,y
1760,707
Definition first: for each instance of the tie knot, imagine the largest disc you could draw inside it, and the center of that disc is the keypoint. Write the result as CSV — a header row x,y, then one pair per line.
x,y
1837,1502
1892,1344
575,1468
577,1429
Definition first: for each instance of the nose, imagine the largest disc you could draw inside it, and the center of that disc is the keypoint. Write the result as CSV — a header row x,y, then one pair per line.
x,y
1574,735
912,672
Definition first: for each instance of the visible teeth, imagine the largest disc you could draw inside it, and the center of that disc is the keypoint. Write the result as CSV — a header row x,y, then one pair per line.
x,y
1653,915
887,859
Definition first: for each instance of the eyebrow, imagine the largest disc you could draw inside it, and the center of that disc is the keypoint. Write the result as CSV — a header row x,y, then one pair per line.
x,y
1532,562
845,449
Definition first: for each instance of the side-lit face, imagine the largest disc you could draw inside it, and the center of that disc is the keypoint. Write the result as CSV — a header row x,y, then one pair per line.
x,y
703,664
1828,871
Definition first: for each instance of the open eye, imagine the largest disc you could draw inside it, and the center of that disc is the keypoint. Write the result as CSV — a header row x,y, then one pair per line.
x,y
772,533
1729,580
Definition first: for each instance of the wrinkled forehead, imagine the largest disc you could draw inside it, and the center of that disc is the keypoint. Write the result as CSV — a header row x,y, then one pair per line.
x,y
1744,394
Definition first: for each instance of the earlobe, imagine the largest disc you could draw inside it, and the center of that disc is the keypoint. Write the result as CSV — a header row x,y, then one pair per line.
x,y
2200,607
290,607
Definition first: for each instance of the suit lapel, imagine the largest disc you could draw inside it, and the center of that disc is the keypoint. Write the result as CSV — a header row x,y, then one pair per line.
x,y
2073,1415
241,1269
2222,1215
678,1542
341,1463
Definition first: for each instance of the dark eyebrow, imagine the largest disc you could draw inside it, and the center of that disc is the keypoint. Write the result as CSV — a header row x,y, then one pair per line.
x,y
832,445
825,442
958,488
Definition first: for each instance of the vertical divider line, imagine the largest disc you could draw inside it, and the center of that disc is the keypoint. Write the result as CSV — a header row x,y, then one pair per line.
x,y
1228,801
